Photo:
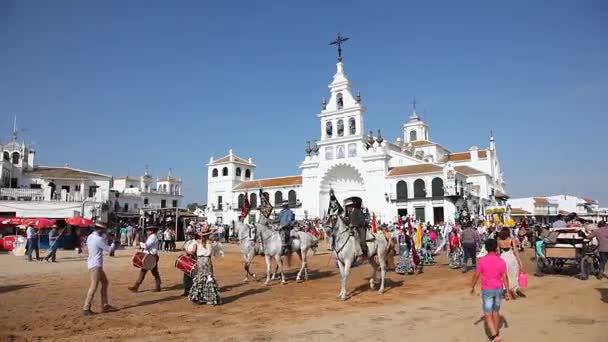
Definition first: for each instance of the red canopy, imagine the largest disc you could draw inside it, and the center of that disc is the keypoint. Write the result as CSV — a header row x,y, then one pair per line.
x,y
80,222
40,223
12,221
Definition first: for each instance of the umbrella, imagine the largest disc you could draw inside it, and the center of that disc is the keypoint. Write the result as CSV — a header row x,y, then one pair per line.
x,y
79,222
13,221
40,223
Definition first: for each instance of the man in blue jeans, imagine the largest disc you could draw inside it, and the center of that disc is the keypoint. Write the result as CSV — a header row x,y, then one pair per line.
x,y
469,240
53,245
32,242
493,273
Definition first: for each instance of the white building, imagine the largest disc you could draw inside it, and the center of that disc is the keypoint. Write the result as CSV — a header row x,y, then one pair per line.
x,y
131,194
411,176
546,208
46,191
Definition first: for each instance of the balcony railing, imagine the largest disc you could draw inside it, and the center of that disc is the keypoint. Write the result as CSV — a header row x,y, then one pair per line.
x,y
27,194
22,194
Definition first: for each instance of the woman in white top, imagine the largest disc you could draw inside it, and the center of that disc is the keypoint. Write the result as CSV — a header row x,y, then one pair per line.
x,y
204,287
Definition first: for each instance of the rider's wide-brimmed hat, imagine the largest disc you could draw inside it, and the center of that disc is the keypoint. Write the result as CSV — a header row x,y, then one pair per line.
x,y
285,203
354,200
99,225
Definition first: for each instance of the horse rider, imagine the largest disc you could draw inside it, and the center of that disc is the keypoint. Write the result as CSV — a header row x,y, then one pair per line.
x,y
357,220
285,221
334,210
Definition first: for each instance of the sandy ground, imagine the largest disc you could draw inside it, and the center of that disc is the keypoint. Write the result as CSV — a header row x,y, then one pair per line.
x,y
42,301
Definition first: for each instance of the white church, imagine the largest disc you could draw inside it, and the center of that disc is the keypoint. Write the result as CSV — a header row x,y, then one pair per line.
x,y
411,176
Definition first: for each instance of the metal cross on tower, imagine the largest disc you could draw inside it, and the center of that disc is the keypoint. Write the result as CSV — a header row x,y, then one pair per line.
x,y
339,40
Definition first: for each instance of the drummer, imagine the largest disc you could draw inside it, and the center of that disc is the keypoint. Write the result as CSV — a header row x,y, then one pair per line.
x,y
190,249
149,247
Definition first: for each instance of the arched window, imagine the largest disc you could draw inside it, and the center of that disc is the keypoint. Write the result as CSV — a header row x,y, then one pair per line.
x,y
126,207
340,152
352,126
339,101
253,201
278,198
214,173
225,171
15,158
177,189
419,190
247,173
291,198
329,129
437,187
241,200
340,128
6,156
412,135
172,189
401,191
238,172
145,201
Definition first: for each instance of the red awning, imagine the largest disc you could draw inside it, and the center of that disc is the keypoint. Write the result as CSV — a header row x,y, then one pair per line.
x,y
80,222
40,223
12,221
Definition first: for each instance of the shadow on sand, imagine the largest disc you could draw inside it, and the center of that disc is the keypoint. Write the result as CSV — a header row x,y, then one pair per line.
x,y
603,294
389,284
503,324
250,292
152,302
11,288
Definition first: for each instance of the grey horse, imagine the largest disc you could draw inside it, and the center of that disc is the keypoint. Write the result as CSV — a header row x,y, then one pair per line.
x,y
346,249
271,245
247,235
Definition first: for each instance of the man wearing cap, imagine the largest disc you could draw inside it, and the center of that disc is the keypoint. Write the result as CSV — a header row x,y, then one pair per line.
x,y
149,247
357,221
285,221
96,244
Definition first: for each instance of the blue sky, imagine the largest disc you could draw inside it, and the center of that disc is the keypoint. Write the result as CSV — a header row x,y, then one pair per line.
x,y
115,85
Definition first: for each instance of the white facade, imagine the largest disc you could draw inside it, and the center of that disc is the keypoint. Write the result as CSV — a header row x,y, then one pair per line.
x,y
44,191
546,208
131,194
413,176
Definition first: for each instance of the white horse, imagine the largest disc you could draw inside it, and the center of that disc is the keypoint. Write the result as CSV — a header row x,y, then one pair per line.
x,y
346,249
247,245
271,245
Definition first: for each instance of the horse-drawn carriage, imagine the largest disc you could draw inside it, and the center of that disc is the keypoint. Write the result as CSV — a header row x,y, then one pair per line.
x,y
566,247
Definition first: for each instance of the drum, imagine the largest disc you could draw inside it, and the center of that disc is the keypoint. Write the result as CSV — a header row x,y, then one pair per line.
x,y
185,264
144,261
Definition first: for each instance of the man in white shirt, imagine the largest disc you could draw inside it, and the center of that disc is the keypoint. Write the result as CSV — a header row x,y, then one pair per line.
x,y
96,244
32,242
130,235
149,247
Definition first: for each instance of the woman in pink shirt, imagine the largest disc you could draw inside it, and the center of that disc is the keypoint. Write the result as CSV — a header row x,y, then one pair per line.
x,y
493,273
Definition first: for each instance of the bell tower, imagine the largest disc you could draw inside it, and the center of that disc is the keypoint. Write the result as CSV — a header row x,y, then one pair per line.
x,y
341,116
415,129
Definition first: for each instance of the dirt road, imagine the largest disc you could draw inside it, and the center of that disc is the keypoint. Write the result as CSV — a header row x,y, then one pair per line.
x,y
42,301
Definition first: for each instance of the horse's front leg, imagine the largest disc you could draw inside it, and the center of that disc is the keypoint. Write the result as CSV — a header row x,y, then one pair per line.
x,y
302,264
372,279
267,259
280,265
382,262
344,293
274,274
305,261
